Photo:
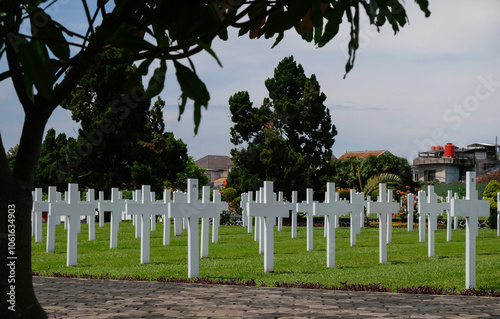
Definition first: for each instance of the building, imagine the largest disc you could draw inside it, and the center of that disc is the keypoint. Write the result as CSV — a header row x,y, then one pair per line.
x,y
362,154
450,163
217,166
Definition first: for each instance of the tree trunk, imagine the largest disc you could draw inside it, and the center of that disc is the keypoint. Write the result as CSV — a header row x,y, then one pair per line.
x,y
18,299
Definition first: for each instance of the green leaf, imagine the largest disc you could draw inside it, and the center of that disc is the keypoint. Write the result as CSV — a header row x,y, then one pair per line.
x,y
157,82
136,77
36,66
191,85
182,106
207,48
424,6
334,17
44,30
193,88
280,37
197,116
223,34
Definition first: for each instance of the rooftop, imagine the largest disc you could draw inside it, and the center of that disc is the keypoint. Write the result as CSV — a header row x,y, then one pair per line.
x,y
363,154
215,163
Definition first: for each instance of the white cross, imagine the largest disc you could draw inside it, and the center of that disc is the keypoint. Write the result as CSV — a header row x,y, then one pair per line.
x,y
294,214
307,207
448,216
72,209
498,214
259,224
421,217
210,213
143,209
193,210
280,219
357,207
52,220
244,218
39,206
470,208
248,198
410,204
221,207
178,197
100,214
116,206
389,218
166,219
330,208
384,208
90,198
269,209
153,216
429,206
136,221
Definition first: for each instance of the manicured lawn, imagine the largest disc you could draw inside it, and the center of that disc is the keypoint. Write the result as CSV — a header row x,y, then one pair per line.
x,y
236,256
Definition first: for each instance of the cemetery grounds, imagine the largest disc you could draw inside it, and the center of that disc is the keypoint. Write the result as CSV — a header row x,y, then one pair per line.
x,y
236,258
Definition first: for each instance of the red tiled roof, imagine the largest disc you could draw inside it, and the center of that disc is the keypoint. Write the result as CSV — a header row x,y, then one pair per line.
x,y
362,154
486,178
215,162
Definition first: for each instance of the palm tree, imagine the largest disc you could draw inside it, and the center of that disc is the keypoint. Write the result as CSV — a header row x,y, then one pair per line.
x,y
387,178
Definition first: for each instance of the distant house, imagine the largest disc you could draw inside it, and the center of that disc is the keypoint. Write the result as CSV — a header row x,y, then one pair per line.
x,y
217,166
363,154
450,163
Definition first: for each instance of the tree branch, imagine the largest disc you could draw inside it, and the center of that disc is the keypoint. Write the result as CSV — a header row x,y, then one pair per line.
x,y
31,142
4,164
17,79
5,75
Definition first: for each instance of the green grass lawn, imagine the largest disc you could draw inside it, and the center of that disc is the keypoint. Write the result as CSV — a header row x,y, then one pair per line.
x,y
236,256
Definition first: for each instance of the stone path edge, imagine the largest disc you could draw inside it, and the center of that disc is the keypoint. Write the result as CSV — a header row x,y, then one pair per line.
x,y
376,288
93,298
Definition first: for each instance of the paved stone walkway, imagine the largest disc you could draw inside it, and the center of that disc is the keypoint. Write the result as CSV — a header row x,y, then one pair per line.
x,y
86,298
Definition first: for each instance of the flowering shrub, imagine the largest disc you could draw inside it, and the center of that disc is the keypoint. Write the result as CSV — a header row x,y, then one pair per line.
x,y
403,212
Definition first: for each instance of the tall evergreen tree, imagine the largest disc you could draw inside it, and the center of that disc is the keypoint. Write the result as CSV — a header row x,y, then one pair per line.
x,y
288,139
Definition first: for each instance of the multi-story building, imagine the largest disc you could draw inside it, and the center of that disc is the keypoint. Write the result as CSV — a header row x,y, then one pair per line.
x,y
450,163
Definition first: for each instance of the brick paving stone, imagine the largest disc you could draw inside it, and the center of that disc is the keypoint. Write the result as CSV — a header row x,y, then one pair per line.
x,y
84,298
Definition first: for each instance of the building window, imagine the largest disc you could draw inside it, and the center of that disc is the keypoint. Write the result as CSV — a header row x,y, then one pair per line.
x,y
429,175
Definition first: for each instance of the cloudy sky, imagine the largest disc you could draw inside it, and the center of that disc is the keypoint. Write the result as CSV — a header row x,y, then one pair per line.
x,y
436,81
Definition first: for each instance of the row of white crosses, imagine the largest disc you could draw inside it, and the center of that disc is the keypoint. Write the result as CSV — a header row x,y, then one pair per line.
x,y
471,208
144,208
267,209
